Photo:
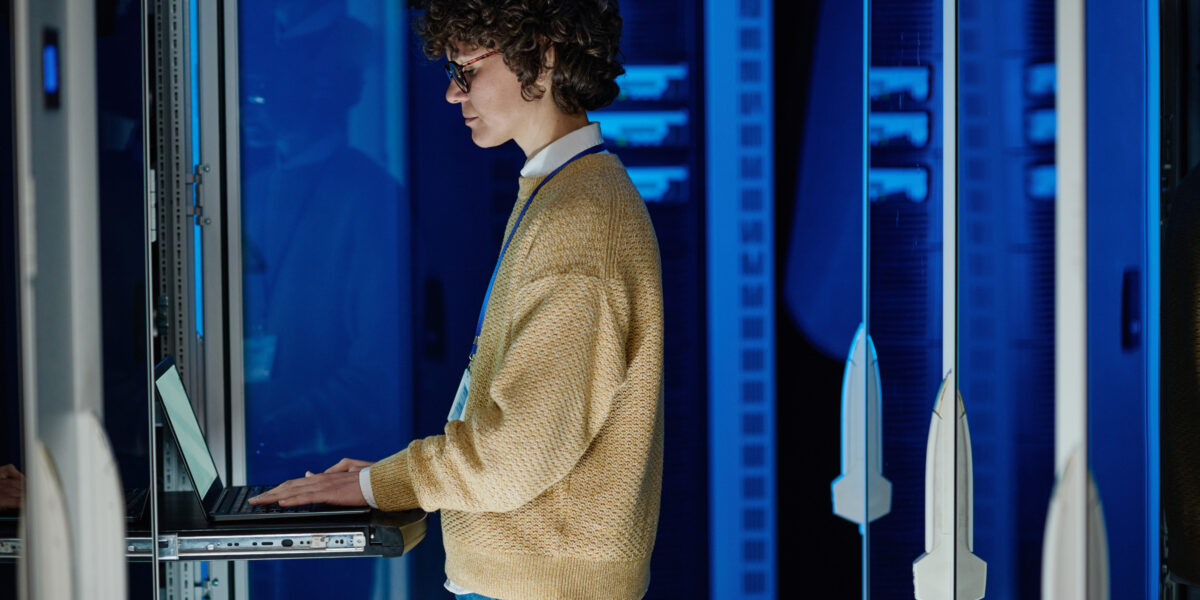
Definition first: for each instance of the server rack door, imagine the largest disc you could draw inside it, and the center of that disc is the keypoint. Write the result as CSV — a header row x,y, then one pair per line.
x,y
1006,289
912,273
325,304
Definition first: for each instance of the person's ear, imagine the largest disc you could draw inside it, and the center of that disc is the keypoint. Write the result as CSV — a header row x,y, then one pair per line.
x,y
548,61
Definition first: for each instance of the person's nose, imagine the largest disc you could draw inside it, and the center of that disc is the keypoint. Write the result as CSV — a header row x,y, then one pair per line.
x,y
454,94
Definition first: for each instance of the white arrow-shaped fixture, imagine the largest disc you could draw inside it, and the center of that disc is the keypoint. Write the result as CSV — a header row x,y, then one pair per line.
x,y
949,560
860,493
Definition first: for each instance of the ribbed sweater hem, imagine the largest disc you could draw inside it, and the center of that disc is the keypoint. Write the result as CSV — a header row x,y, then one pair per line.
x,y
510,576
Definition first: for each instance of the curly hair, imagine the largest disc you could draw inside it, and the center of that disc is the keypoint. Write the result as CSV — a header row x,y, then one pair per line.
x,y
585,36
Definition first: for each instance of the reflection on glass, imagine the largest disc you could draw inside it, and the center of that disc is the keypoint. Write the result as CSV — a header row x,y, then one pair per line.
x,y
121,162
905,93
1006,280
321,246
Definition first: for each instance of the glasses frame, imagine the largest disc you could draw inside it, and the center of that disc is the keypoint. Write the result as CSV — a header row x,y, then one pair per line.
x,y
454,71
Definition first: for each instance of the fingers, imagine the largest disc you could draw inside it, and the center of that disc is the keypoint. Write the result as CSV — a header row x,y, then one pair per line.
x,y
273,495
289,492
341,465
349,465
12,487
267,497
10,494
10,472
331,488
300,499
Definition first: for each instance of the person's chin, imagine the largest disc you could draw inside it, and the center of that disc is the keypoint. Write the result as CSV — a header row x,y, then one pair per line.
x,y
483,140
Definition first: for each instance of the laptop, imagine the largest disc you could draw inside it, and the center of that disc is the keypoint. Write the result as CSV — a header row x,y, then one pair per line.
x,y
220,502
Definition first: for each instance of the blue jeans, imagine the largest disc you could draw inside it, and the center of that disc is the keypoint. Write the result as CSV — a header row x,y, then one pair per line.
x,y
473,597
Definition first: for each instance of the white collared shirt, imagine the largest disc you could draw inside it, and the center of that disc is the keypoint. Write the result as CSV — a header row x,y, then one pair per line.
x,y
561,150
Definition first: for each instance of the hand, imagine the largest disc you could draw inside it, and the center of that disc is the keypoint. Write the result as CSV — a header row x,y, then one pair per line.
x,y
12,487
349,465
340,489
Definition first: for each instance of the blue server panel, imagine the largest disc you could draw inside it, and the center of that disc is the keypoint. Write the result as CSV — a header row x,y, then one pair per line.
x,y
740,288
1119,420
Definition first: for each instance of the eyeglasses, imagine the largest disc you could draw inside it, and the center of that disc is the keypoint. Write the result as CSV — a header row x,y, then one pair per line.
x,y
455,71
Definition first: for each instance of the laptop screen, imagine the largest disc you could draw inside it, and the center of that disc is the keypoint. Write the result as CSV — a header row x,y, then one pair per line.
x,y
187,430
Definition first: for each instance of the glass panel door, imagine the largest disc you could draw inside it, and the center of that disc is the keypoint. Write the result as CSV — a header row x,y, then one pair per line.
x,y
324,254
906,279
124,266
1006,175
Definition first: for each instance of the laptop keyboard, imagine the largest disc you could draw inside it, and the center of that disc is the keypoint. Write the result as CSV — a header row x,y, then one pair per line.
x,y
239,503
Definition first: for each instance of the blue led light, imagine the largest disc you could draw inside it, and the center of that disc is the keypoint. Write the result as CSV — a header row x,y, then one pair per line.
x,y
197,231
910,128
887,81
654,183
1041,126
643,128
649,82
1040,182
1153,266
885,184
1041,79
50,68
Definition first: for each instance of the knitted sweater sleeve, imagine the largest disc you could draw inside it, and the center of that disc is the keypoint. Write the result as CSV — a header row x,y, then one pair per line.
x,y
550,393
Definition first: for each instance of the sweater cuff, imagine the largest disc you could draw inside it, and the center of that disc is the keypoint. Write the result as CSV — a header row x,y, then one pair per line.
x,y
391,483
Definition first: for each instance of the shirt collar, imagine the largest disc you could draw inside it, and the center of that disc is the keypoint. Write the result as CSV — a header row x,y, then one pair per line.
x,y
561,150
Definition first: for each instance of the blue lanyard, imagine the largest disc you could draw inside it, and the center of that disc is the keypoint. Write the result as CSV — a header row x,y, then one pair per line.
x,y
483,309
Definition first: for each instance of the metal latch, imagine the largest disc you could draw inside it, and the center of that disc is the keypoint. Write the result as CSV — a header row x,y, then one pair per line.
x,y
11,547
197,175
196,179
168,547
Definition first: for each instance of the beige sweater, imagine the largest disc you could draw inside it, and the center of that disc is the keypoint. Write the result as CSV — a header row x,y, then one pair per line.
x,y
549,487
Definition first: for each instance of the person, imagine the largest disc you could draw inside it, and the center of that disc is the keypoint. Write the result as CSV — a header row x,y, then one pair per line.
x,y
548,473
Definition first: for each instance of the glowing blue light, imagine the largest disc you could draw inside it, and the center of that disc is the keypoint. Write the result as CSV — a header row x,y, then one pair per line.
x,y
1041,126
1041,79
1041,181
643,128
649,82
885,184
50,68
654,183
910,128
888,81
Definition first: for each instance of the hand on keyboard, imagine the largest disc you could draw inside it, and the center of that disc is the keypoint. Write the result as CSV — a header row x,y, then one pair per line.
x,y
339,489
